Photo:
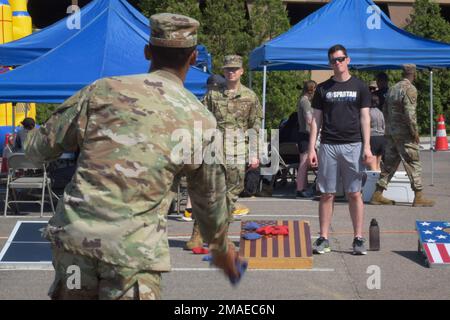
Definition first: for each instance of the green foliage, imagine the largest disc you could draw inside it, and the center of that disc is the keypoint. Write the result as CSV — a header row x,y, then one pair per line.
x,y
227,27
428,22
44,111
268,19
225,30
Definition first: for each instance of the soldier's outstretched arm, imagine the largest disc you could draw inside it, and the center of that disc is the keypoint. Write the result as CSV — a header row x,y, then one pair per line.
x,y
207,191
62,132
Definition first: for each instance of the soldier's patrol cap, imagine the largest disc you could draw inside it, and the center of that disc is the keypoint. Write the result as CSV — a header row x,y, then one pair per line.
x,y
232,61
173,30
409,68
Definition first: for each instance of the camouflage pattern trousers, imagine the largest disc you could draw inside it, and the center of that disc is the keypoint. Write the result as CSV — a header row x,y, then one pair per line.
x,y
80,277
406,151
235,182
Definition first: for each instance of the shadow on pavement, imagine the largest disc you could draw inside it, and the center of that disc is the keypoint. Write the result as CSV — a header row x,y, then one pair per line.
x,y
414,256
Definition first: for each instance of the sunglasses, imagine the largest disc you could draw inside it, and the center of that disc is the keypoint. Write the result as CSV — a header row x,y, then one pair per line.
x,y
340,59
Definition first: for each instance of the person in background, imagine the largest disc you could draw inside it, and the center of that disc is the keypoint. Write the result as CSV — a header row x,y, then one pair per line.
x,y
304,113
402,135
373,86
377,139
382,80
341,109
28,124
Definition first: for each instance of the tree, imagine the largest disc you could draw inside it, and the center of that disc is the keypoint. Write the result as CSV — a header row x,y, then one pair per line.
x,y
269,19
225,30
427,21
227,27
44,111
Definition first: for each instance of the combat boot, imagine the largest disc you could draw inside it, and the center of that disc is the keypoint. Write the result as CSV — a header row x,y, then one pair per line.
x,y
420,201
196,240
378,199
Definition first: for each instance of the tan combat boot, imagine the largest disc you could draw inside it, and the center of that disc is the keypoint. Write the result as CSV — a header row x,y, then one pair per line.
x,y
378,199
420,201
196,238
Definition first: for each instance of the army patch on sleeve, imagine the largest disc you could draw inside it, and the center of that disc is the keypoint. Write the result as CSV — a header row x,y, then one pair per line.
x,y
411,93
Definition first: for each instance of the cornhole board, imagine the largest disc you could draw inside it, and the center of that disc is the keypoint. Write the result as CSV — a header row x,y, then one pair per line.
x,y
292,251
25,247
434,242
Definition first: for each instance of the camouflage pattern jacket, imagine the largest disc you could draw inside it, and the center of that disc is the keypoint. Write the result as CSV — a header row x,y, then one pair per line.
x,y
400,111
115,207
234,110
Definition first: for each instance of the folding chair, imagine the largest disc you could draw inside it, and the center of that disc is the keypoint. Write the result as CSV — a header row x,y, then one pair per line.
x,y
285,168
289,161
41,181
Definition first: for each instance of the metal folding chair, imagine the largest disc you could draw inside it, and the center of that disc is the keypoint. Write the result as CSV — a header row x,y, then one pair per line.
x,y
39,180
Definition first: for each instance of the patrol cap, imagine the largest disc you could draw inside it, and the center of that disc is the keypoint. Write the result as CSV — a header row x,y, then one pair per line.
x,y
409,69
232,61
173,30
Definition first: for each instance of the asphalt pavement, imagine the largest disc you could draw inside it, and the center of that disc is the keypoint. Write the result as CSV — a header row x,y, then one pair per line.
x,y
337,275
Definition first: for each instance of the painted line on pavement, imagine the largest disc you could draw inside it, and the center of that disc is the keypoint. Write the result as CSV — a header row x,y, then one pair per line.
x,y
250,270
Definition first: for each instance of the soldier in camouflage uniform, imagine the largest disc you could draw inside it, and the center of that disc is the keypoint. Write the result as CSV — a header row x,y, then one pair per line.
x,y
112,221
402,137
235,107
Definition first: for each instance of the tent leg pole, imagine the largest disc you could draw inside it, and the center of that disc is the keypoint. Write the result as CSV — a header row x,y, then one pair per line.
x,y
264,98
13,118
431,127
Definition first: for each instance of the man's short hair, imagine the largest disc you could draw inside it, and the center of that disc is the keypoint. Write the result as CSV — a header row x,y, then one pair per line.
x,y
337,47
170,57
409,69
382,76
28,123
309,86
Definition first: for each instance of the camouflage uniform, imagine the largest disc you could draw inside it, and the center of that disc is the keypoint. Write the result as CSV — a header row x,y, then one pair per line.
x,y
112,219
401,133
234,110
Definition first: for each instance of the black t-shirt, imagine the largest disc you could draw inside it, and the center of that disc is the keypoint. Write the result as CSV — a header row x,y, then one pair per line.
x,y
340,103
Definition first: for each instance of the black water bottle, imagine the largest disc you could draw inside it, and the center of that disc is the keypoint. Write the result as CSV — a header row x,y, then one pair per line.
x,y
374,236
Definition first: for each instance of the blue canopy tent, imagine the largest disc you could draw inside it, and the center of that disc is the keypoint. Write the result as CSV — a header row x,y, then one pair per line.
x,y
372,41
111,44
27,49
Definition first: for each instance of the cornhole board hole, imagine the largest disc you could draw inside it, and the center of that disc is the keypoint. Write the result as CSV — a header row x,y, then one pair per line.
x,y
434,242
292,251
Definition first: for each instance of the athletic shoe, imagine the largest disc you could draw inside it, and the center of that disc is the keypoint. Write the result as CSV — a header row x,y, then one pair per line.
x,y
358,246
321,246
187,216
305,194
240,210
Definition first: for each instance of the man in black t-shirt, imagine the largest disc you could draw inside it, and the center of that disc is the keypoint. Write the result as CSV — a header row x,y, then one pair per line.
x,y
341,109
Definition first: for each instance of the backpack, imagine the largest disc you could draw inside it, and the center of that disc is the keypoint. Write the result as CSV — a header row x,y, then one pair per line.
x,y
252,182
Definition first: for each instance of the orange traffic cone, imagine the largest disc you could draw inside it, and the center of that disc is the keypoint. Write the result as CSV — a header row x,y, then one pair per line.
x,y
441,135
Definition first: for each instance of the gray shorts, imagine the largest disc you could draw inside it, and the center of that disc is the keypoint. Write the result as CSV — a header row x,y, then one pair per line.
x,y
340,161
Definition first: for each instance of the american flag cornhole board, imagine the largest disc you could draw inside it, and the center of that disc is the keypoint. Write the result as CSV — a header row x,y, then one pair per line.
x,y
292,251
434,242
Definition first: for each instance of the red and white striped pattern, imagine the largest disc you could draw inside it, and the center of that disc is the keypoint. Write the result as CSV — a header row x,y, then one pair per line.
x,y
438,252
